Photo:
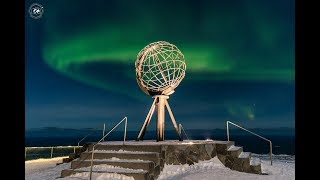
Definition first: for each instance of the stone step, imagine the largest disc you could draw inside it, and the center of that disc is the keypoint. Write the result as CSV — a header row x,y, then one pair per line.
x,y
146,148
148,156
131,164
254,161
242,163
138,175
223,146
245,155
239,163
255,165
234,151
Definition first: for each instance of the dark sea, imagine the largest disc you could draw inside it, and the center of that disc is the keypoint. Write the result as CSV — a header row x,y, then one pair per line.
x,y
283,139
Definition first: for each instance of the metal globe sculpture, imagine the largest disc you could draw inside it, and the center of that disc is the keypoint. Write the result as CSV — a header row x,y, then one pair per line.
x,y
160,67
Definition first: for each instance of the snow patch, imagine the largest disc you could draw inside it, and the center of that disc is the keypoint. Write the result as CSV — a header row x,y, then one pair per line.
x,y
244,155
99,176
154,142
110,168
233,148
213,169
122,152
180,171
254,161
114,159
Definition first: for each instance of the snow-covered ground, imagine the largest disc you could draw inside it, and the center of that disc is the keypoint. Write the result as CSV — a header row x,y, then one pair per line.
x,y
283,168
44,169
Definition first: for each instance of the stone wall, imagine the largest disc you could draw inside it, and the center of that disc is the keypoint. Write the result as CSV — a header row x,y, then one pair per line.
x,y
188,153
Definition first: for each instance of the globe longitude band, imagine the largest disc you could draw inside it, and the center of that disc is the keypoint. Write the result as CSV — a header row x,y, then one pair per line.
x,y
160,67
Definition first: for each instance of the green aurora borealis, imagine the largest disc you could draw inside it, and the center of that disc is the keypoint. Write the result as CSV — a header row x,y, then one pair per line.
x,y
238,41
240,59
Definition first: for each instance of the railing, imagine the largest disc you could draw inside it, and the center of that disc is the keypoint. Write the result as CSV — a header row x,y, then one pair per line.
x,y
181,128
51,148
270,143
124,140
43,155
93,131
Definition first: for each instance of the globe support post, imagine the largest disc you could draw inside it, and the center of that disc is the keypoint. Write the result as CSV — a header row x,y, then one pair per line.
x,y
160,102
160,121
147,121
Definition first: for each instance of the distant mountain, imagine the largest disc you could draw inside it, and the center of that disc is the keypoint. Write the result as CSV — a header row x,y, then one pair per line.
x,y
69,132
57,132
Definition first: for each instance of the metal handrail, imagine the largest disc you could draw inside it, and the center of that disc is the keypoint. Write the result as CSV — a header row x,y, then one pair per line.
x,y
93,131
181,128
270,143
124,140
49,147
34,147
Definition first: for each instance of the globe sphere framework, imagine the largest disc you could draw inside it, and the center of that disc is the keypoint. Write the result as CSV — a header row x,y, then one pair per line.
x,y
160,67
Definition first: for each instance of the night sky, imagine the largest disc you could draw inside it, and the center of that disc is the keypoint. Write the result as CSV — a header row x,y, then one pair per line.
x,y
239,55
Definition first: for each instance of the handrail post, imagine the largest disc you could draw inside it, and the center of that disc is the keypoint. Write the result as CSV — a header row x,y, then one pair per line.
x,y
94,130
271,152
228,130
125,130
104,129
51,152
